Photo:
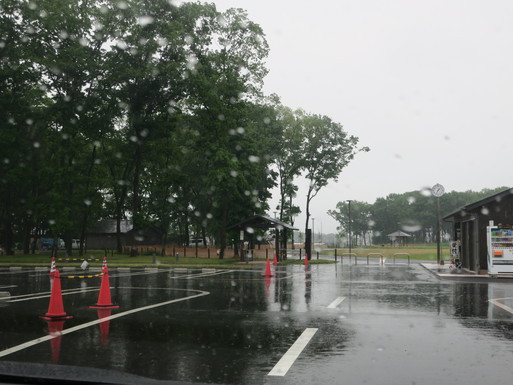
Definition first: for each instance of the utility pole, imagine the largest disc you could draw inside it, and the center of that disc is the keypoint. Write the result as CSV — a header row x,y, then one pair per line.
x,y
349,224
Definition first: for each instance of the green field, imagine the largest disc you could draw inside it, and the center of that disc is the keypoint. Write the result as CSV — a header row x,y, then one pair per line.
x,y
416,252
118,260
422,252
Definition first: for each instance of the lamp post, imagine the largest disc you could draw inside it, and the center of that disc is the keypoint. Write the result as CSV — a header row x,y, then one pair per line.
x,y
438,190
313,232
349,224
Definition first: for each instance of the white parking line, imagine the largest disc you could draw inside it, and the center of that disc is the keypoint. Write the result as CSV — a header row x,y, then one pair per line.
x,y
336,302
36,341
30,297
288,359
501,305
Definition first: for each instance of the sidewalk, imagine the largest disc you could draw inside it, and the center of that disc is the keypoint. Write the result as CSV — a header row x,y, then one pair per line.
x,y
446,272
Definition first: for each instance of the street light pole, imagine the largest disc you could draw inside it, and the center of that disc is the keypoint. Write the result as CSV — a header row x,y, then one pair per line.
x,y
349,224
313,232
438,190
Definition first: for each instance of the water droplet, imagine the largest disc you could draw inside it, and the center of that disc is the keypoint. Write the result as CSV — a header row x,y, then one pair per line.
x,y
122,5
192,60
241,130
234,173
254,159
121,44
411,200
485,211
250,230
88,202
36,144
222,21
51,222
145,20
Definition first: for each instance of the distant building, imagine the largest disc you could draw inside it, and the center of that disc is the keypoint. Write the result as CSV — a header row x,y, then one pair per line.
x,y
103,235
469,227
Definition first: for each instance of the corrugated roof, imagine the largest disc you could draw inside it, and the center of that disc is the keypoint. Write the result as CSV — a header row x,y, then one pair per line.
x,y
398,233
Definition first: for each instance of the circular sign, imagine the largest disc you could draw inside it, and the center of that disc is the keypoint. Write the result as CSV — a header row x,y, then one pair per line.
x,y
437,190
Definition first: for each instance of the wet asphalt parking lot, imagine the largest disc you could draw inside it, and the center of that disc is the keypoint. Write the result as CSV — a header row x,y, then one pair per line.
x,y
321,324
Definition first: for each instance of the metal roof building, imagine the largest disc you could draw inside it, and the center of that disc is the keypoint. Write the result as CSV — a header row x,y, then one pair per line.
x,y
469,226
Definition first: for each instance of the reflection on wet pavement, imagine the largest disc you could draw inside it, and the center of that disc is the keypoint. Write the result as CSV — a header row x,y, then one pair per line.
x,y
375,324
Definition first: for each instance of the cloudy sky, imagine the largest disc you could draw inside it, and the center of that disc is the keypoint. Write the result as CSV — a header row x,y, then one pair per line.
x,y
426,84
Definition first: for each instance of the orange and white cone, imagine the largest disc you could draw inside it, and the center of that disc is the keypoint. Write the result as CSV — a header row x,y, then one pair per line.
x,y
53,268
306,259
56,308
104,299
275,261
105,268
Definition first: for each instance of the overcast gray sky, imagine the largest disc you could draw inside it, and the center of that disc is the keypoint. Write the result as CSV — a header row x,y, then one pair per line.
x,y
427,85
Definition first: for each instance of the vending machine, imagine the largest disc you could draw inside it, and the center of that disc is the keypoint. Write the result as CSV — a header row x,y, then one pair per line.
x,y
500,249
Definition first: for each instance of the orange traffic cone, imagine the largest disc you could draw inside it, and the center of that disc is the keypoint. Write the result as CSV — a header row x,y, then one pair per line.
x,y
53,268
104,300
56,308
306,259
268,269
275,262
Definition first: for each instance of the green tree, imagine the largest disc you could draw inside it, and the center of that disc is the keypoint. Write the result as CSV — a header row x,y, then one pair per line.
x,y
361,223
326,149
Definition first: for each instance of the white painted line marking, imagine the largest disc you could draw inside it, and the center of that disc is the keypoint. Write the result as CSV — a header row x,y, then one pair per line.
x,y
76,291
28,344
288,359
208,274
336,302
501,305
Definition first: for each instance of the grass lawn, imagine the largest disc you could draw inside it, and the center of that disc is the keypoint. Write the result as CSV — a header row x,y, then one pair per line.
x,y
416,252
118,260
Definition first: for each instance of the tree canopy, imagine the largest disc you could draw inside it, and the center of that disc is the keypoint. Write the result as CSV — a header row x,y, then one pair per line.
x,y
147,110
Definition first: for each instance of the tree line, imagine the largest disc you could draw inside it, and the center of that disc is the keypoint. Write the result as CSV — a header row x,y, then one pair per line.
x,y
412,212
148,110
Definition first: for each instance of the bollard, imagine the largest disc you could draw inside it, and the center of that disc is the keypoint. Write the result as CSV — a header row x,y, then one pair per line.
x,y
317,255
177,257
335,255
208,253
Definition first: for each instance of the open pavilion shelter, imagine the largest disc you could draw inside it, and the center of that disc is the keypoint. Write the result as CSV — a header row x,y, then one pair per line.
x,y
248,227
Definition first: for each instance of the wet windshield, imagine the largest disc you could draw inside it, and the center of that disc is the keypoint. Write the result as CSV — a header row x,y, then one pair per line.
x,y
245,192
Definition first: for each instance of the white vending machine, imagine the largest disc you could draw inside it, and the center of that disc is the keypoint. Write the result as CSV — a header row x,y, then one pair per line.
x,y
500,249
